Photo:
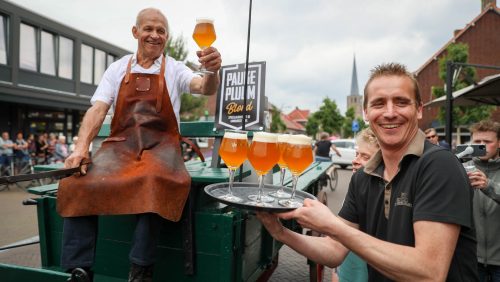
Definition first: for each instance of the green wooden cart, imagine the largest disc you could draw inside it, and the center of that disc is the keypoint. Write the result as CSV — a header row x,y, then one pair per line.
x,y
227,244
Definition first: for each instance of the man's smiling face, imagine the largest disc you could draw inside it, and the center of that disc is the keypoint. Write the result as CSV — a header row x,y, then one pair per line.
x,y
151,33
392,111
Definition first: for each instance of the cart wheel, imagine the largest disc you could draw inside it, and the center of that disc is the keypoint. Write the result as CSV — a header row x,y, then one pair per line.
x,y
79,275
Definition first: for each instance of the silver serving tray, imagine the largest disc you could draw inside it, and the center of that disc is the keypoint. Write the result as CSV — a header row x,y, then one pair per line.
x,y
243,189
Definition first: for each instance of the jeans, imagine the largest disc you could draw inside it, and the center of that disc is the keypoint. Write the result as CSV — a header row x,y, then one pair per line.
x,y
322,159
80,237
488,273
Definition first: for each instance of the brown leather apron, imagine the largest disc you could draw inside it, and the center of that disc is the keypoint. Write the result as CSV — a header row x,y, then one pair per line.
x,y
139,168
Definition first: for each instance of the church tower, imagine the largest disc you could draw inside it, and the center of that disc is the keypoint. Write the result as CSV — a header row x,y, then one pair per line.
x,y
354,100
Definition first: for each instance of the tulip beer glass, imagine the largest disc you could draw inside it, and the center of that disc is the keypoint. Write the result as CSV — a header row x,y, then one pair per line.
x,y
263,154
204,36
298,156
282,138
233,150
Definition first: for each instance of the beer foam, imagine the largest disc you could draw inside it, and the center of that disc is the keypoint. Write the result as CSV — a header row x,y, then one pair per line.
x,y
300,139
204,20
235,135
282,138
265,137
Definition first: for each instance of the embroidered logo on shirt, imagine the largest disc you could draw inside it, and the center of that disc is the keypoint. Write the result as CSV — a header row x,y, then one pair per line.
x,y
402,200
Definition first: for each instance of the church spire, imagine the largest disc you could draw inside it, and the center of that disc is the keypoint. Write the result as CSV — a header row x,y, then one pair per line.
x,y
354,79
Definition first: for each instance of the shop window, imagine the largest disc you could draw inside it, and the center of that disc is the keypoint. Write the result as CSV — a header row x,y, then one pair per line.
x,y
99,65
3,40
48,54
27,58
65,57
111,59
86,64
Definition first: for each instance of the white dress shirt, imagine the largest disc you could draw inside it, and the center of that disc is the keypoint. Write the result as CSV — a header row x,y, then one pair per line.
x,y
177,76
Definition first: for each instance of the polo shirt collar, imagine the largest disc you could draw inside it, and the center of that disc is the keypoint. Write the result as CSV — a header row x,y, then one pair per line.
x,y
416,148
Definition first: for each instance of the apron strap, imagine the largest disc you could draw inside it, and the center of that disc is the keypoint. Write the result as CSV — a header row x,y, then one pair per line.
x,y
129,66
161,81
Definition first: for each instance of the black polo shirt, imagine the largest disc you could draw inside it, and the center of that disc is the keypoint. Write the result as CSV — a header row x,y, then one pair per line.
x,y
430,185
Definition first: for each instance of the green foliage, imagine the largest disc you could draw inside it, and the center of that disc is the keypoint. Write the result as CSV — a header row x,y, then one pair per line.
x,y
192,107
462,115
327,118
176,48
277,125
347,125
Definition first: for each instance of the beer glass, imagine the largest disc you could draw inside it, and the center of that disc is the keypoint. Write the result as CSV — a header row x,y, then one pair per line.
x,y
204,36
298,156
282,139
263,154
233,150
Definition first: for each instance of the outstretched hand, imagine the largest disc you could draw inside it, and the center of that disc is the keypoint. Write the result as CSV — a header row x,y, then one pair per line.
x,y
313,215
210,58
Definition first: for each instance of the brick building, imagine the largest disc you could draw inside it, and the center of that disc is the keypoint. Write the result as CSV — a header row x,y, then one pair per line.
x,y
483,38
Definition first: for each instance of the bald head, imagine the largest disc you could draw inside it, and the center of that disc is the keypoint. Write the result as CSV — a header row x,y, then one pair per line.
x,y
149,12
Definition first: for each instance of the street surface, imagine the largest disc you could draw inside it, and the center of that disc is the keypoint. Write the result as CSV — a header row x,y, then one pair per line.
x,y
18,223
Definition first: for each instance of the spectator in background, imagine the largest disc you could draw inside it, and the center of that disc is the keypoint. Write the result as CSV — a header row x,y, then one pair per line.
x,y
31,145
323,147
431,135
485,181
41,148
61,150
353,268
6,149
21,149
51,142
72,146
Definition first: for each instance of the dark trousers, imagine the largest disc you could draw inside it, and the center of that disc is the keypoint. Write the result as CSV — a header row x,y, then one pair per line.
x,y
80,237
488,273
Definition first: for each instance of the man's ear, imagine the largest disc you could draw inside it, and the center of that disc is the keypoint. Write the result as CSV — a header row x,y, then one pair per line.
x,y
134,32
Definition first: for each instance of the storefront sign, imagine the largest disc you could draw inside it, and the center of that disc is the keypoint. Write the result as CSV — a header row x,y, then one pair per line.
x,y
230,99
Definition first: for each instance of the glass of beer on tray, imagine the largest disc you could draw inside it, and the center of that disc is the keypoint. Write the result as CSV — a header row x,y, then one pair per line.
x,y
204,36
263,154
282,139
298,156
233,150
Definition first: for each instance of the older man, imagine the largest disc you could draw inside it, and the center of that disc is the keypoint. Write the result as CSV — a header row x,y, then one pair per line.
x,y
408,212
139,169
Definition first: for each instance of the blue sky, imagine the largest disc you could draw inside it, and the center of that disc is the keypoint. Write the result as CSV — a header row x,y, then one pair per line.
x,y
308,44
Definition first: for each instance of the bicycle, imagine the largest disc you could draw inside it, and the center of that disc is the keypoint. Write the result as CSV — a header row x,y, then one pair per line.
x,y
330,179
25,166
6,171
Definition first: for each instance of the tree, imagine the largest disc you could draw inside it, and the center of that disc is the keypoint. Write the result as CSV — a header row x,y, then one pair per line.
x,y
277,125
347,125
462,115
192,107
327,118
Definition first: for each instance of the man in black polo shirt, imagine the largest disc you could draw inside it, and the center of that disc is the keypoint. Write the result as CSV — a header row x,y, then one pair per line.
x,y
409,212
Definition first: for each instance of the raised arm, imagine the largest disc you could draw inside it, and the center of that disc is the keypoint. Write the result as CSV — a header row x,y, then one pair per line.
x,y
92,122
428,260
209,83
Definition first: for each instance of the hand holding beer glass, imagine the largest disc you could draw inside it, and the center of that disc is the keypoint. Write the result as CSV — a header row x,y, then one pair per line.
x,y
263,154
233,150
204,36
298,156
282,138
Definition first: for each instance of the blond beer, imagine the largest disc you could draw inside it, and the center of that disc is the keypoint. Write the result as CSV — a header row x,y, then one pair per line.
x,y
282,145
264,152
204,33
233,149
298,153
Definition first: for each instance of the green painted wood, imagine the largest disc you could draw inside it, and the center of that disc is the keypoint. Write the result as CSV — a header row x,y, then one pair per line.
x,y
15,273
104,131
43,190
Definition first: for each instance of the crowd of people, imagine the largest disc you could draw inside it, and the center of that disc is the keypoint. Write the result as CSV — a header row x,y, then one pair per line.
x,y
40,149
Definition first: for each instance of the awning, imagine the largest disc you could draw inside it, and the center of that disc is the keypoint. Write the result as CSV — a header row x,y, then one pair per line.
x,y
487,91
